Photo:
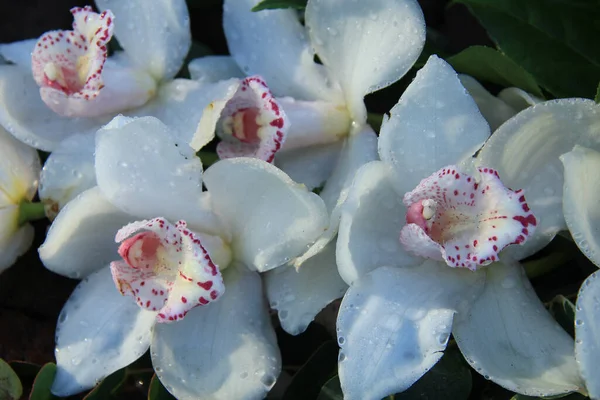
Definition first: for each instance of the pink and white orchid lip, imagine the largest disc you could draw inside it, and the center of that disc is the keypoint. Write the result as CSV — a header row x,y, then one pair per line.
x,y
252,124
451,217
165,268
71,62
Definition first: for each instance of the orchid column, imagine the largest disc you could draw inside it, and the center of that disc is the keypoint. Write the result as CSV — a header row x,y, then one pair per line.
x,y
184,263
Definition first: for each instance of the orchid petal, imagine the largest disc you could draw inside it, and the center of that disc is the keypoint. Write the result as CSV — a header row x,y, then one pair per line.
x,y
278,50
494,110
370,224
310,166
122,89
81,239
98,332
359,149
145,171
435,123
227,350
394,324
314,122
211,69
580,199
26,116
18,53
299,295
518,98
19,170
180,105
15,240
525,153
510,338
165,267
587,329
68,171
155,34
365,45
272,218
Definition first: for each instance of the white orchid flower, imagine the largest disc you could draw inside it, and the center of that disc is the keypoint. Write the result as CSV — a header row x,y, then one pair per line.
x,y
498,109
396,318
364,46
19,174
76,88
528,151
210,337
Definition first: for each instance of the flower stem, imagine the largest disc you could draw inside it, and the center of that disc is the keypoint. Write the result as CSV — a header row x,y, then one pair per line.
x,y
31,212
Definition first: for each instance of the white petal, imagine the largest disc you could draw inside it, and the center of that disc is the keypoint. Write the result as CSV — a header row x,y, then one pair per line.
x,y
366,45
18,52
19,170
272,218
273,44
82,237
298,296
525,153
211,69
359,149
394,324
145,171
14,240
154,33
310,166
510,338
580,199
518,98
180,104
68,171
435,123
226,350
372,217
98,332
26,116
314,122
587,333
494,110
216,97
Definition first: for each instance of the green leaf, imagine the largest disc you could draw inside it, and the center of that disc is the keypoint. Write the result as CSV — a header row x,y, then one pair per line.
x,y
10,384
309,379
597,97
554,41
157,391
490,65
450,378
43,383
275,4
563,312
558,253
108,387
331,390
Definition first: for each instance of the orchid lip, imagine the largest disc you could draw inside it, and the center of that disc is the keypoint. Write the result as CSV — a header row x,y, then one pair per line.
x,y
165,268
465,223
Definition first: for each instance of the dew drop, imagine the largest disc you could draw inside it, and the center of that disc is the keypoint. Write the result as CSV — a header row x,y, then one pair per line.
x,y
341,340
578,322
341,357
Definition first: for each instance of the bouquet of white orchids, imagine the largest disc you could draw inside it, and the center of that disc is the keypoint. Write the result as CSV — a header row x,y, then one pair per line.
x,y
214,210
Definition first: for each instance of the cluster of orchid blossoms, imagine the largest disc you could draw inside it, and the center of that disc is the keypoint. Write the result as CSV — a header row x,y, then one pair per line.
x,y
420,237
